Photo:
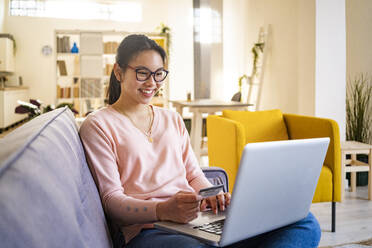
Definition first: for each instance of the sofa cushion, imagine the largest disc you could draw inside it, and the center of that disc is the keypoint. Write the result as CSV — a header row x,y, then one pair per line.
x,y
260,126
47,195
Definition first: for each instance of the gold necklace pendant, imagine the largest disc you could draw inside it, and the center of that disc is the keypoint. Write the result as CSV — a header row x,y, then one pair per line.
x,y
148,133
151,122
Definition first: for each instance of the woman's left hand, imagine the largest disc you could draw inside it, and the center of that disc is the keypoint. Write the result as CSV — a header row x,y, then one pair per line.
x,y
221,201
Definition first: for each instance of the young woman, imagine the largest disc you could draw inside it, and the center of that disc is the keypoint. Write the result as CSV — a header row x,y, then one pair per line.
x,y
143,164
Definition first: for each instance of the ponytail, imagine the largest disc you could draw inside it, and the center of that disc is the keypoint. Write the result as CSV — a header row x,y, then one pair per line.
x,y
114,89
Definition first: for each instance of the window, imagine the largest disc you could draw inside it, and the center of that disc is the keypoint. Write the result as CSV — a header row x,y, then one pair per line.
x,y
25,8
71,9
207,26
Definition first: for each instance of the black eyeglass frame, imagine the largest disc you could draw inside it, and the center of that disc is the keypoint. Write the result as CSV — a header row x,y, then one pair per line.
x,y
152,73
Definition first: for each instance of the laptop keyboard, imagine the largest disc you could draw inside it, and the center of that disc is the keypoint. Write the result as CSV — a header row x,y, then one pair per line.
x,y
212,227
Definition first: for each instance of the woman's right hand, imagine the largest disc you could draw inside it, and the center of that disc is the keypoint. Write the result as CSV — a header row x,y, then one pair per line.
x,y
182,207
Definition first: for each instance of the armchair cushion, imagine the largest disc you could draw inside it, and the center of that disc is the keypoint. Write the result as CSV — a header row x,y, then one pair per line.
x,y
260,126
324,188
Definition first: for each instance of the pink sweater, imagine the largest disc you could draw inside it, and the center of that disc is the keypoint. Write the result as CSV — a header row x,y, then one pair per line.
x,y
131,173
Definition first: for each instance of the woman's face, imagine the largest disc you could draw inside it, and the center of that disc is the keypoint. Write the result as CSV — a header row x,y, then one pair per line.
x,y
141,91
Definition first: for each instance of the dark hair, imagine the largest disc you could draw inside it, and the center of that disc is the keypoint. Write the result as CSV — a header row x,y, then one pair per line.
x,y
131,46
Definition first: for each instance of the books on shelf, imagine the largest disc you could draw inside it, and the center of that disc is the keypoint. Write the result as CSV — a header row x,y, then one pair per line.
x,y
63,92
62,71
110,47
63,44
108,69
76,91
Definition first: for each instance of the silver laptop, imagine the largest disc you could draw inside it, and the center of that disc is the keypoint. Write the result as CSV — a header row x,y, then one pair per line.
x,y
274,187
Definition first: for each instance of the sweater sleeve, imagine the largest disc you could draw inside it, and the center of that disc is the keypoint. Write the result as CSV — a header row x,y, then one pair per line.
x,y
194,173
101,158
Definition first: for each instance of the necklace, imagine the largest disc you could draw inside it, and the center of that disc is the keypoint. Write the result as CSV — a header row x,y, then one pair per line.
x,y
146,133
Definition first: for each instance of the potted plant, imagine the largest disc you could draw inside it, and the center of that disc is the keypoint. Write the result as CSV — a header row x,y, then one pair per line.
x,y
358,109
359,116
35,108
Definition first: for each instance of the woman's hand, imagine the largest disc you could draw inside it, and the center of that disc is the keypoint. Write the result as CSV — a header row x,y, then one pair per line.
x,y
222,200
182,207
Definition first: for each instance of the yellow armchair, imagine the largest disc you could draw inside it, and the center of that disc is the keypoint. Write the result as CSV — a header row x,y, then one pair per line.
x,y
229,133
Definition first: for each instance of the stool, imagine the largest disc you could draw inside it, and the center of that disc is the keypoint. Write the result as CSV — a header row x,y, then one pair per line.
x,y
353,148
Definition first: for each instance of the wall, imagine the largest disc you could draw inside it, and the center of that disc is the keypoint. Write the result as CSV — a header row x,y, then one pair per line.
x,y
305,69
289,76
359,37
235,28
280,84
38,71
2,13
182,58
330,87
306,57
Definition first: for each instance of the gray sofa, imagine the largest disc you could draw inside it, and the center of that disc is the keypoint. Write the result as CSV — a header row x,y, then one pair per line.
x,y
48,197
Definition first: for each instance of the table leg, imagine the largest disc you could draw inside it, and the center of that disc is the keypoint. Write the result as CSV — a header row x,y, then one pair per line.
x,y
370,175
179,109
343,175
196,133
353,175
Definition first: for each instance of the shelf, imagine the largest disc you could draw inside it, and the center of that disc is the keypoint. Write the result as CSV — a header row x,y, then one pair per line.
x,y
69,76
67,54
66,99
91,54
90,98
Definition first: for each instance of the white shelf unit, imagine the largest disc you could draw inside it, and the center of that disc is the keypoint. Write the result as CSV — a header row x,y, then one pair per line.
x,y
83,78
8,102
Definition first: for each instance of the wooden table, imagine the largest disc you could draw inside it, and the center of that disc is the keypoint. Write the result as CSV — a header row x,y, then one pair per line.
x,y
353,148
208,106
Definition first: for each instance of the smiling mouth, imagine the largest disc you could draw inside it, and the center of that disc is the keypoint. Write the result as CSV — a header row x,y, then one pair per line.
x,y
147,92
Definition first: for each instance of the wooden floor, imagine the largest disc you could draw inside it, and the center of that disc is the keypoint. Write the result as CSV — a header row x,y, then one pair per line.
x,y
3,133
353,219
11,128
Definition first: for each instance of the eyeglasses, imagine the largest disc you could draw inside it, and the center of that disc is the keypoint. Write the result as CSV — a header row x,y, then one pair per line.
x,y
143,74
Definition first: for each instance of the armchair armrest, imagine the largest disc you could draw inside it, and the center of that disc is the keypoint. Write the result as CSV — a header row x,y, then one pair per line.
x,y
216,176
226,140
302,127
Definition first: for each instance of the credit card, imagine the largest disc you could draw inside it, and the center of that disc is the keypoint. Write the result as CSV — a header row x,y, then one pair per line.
x,y
211,191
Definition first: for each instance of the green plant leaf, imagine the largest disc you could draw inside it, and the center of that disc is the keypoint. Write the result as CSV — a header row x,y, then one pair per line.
x,y
358,109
